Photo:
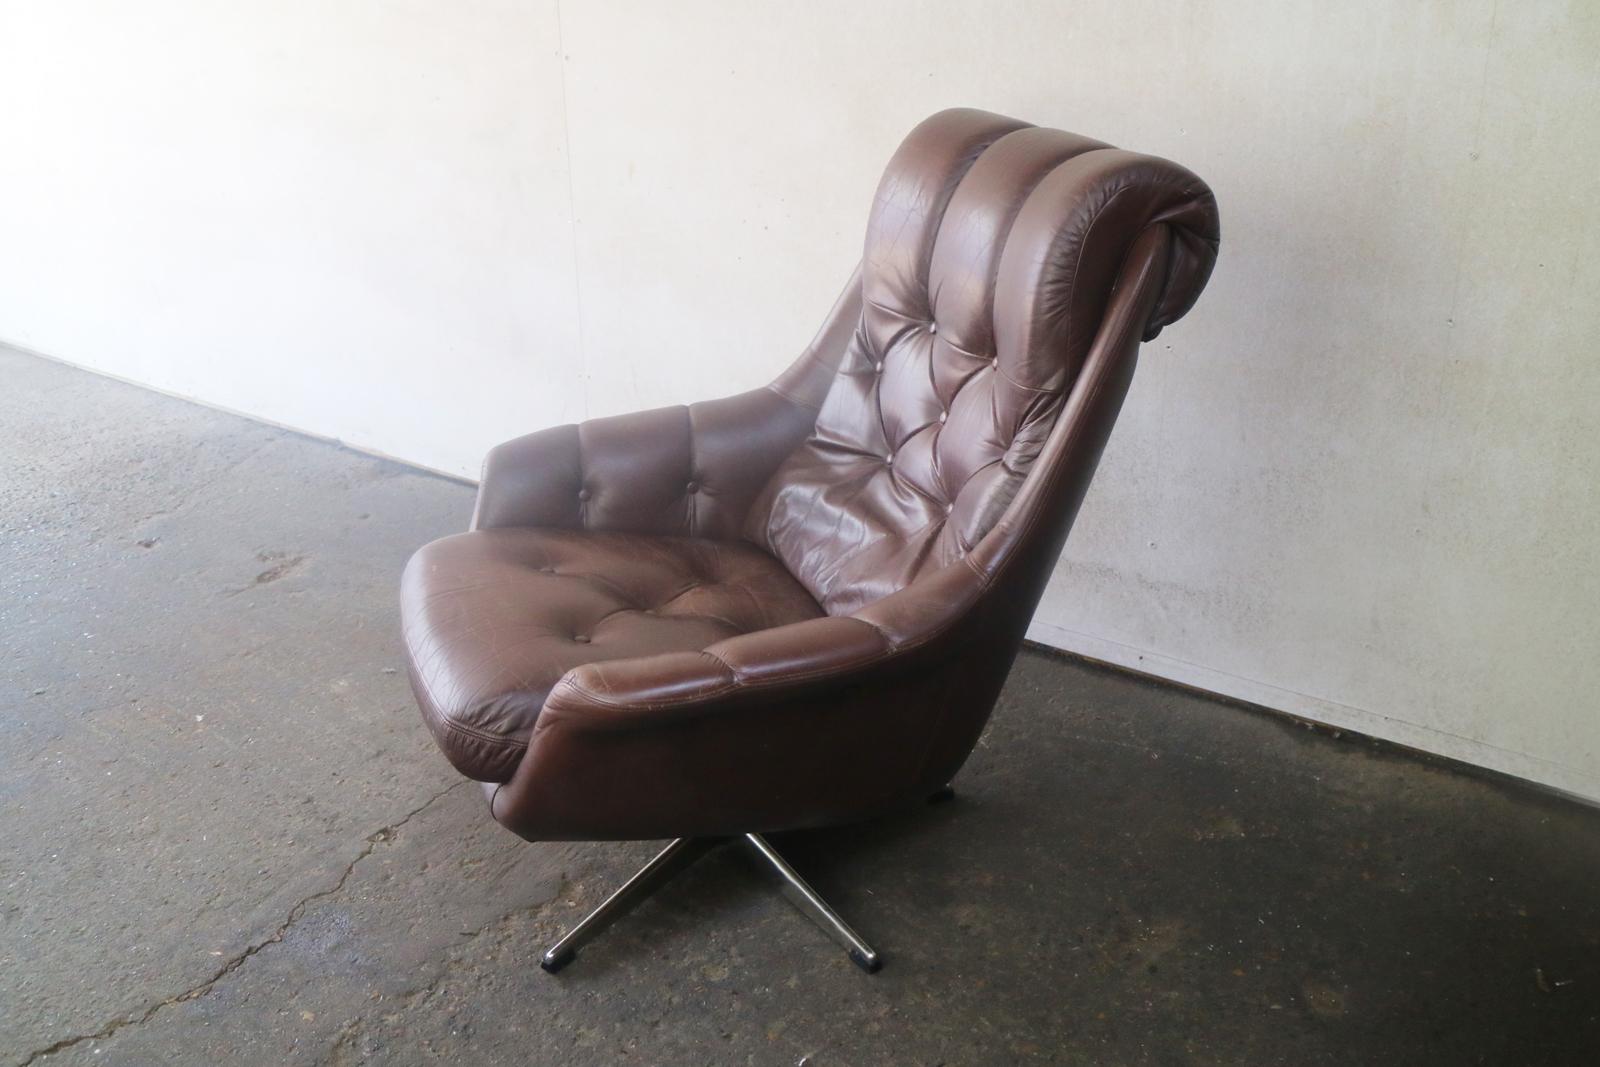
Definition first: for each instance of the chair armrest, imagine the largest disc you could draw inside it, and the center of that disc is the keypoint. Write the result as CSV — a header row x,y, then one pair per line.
x,y
617,693
690,471
686,743
792,726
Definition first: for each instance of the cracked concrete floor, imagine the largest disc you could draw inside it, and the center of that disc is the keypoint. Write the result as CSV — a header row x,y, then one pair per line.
x,y
226,838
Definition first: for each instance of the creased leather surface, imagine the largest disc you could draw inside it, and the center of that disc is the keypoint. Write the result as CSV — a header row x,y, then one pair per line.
x,y
497,617
905,487
990,254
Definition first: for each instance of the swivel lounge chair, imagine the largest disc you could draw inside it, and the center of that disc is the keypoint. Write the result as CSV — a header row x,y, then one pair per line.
x,y
795,607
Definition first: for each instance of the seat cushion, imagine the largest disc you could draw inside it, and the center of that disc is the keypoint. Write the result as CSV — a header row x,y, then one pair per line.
x,y
492,619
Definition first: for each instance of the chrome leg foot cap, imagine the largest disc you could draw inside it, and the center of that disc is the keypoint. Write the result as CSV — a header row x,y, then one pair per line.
x,y
553,961
871,963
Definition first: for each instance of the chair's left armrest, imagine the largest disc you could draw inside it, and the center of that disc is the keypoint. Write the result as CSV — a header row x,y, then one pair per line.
x,y
803,724
689,742
683,470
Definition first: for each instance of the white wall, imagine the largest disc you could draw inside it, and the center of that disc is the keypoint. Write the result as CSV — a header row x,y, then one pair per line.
x,y
1358,483
342,216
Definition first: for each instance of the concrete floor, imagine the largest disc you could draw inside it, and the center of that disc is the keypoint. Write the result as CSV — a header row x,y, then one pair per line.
x,y
225,836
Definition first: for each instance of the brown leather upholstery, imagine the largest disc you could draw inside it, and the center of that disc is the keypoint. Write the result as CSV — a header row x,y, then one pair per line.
x,y
975,318
903,491
521,607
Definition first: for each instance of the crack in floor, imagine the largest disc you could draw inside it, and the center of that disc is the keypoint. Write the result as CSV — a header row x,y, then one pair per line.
x,y
374,839
190,494
450,961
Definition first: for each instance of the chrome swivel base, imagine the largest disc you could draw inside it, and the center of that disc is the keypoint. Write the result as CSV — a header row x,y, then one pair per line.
x,y
680,854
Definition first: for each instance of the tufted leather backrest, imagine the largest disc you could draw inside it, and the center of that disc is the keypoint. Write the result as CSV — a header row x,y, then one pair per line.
x,y
991,252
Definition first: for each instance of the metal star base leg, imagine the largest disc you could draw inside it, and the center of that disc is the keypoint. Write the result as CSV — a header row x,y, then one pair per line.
x,y
805,898
652,876
680,854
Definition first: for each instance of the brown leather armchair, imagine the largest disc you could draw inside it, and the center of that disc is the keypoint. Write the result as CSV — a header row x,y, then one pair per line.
x,y
796,606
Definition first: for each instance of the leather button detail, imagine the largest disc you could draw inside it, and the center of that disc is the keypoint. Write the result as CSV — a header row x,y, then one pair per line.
x,y
582,639
889,458
995,363
944,416
692,487
583,494
933,327
877,368
950,507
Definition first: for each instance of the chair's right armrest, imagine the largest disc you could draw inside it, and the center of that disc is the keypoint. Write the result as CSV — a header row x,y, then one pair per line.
x,y
690,471
528,481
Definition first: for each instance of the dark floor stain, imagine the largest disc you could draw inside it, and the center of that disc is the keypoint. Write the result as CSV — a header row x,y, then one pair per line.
x,y
282,565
